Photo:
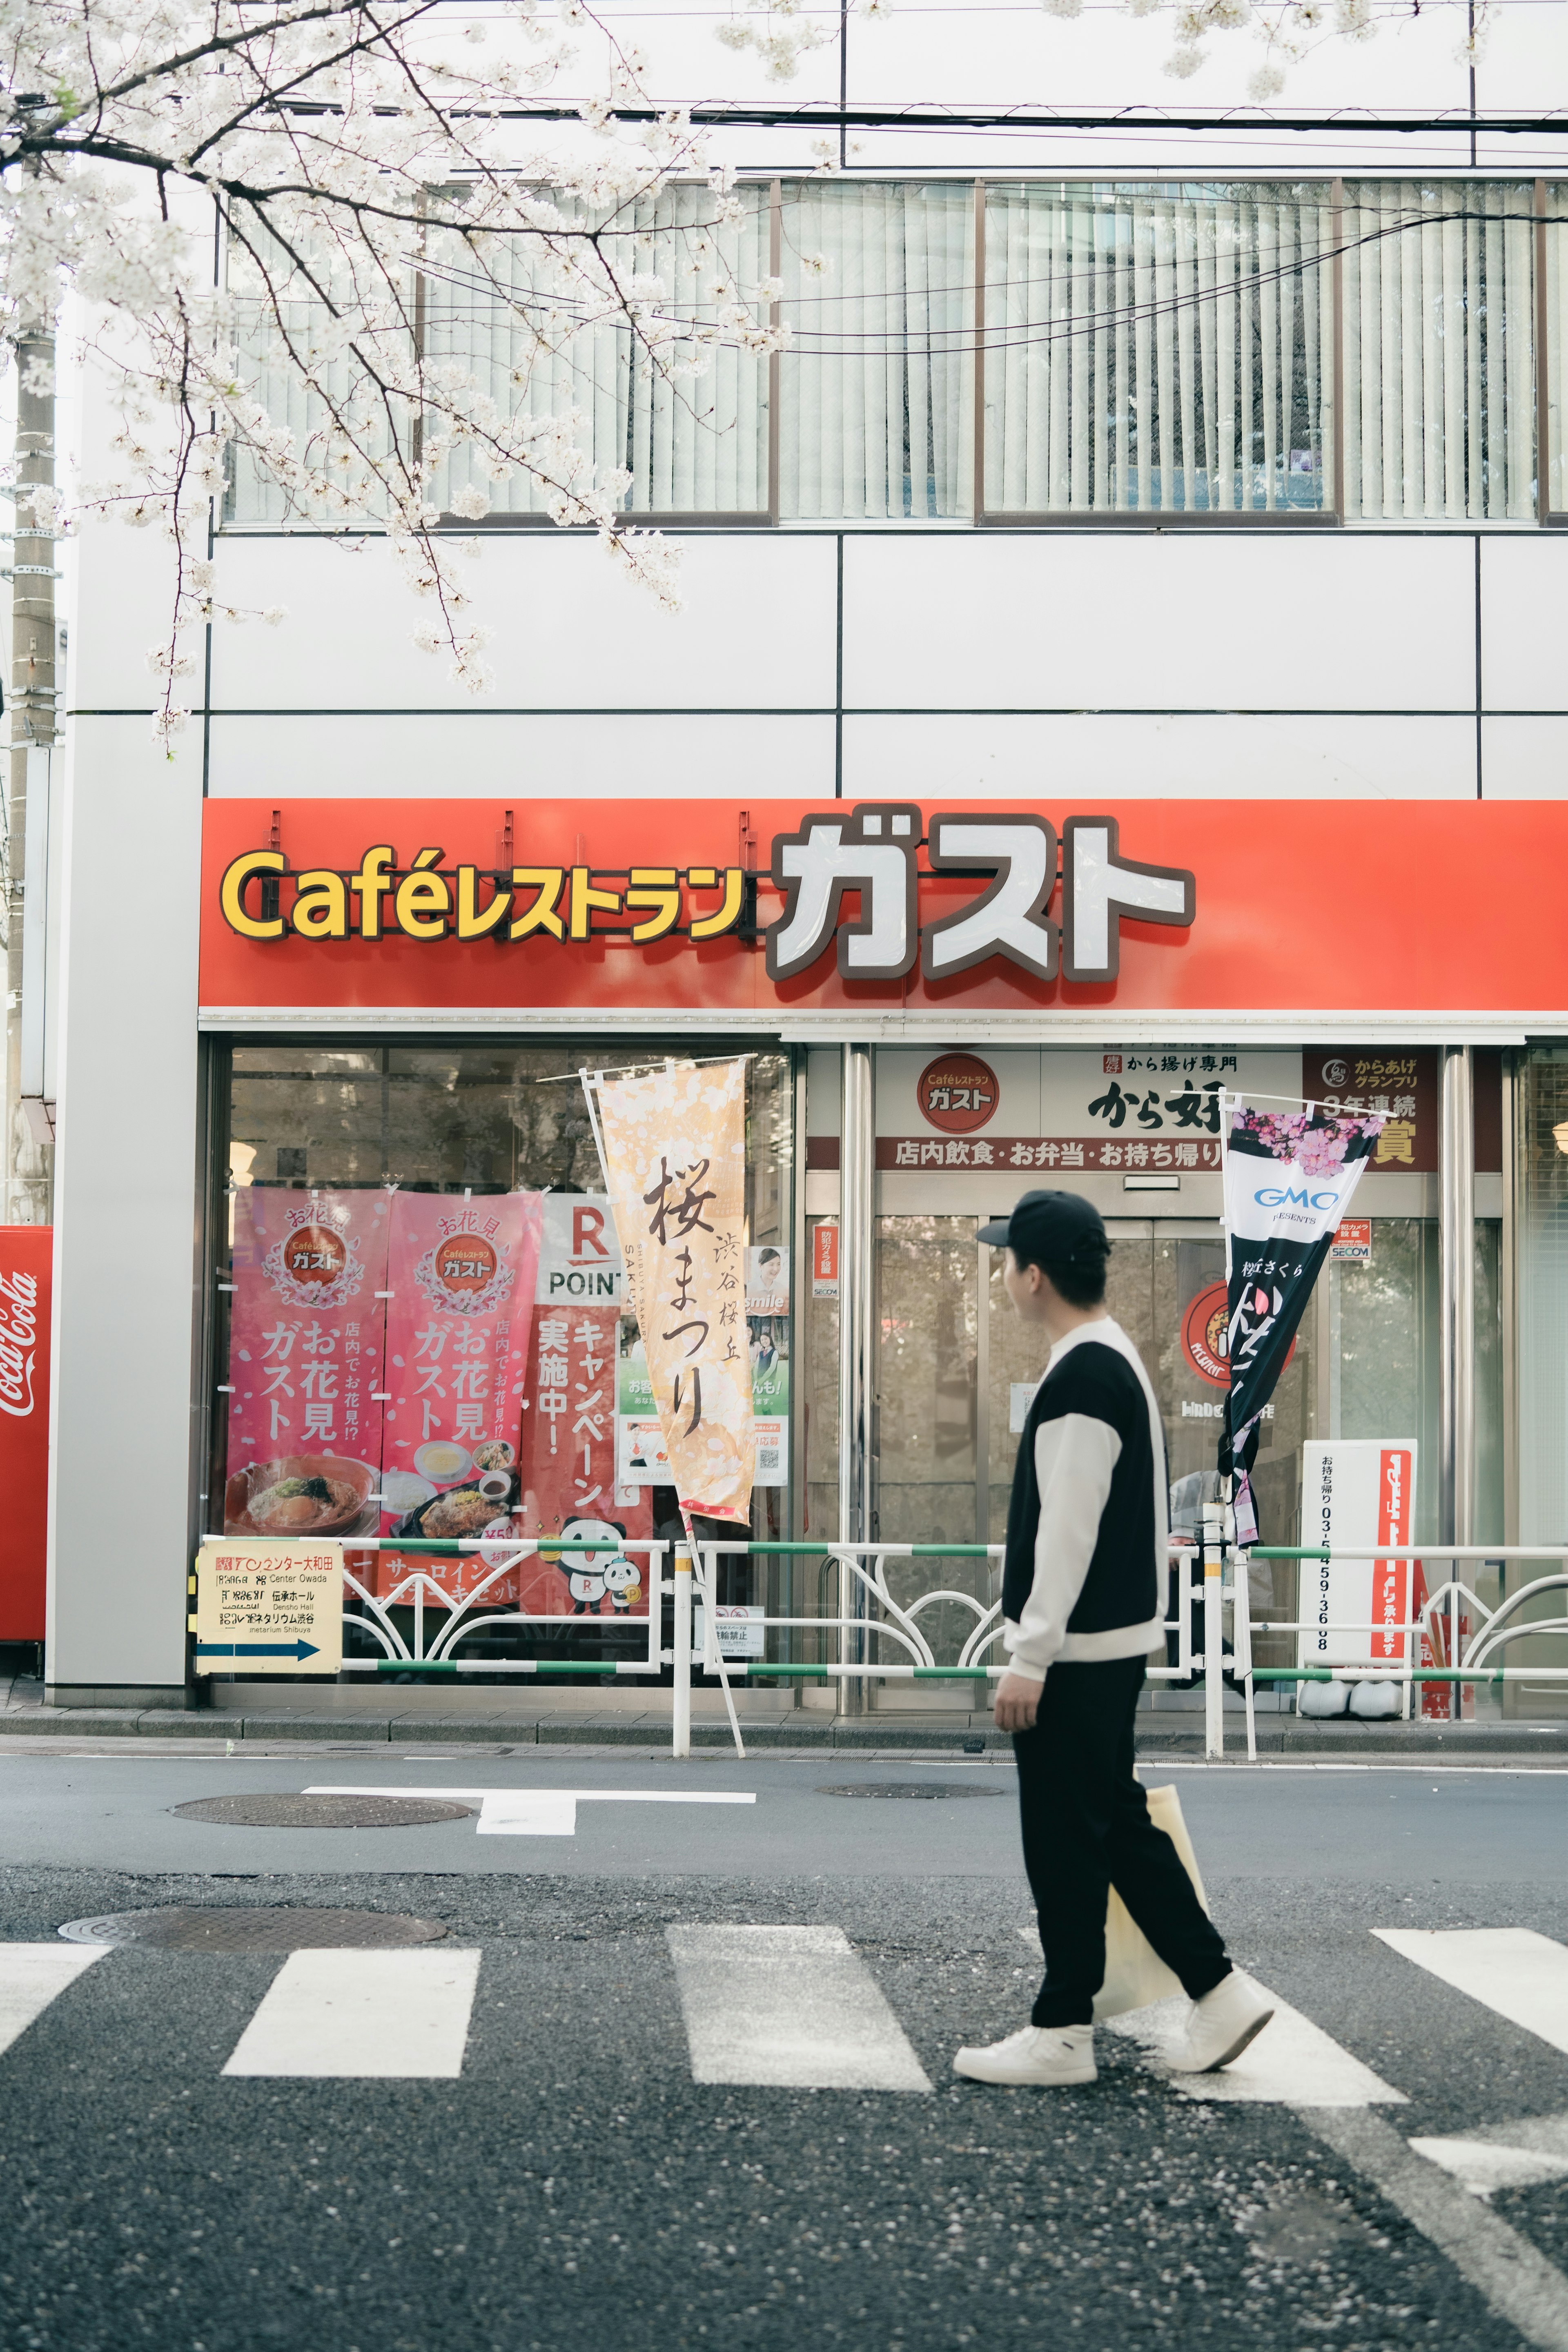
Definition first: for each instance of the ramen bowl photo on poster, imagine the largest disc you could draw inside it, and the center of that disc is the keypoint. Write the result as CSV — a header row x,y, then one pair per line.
x,y
298,1494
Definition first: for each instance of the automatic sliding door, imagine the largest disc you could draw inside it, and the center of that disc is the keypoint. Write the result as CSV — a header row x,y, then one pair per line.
x,y
926,1428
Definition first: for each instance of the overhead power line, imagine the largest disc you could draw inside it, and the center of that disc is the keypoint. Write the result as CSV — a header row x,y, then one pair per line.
x,y
1346,120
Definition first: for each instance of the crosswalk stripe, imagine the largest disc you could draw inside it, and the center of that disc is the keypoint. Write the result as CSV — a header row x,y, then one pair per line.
x,y
1292,2062
356,2013
31,1976
794,2008
1512,2274
1503,2156
1512,1971
542,1813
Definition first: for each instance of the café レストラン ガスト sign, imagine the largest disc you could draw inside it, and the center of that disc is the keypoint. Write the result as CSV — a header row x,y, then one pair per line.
x,y
1391,913
870,851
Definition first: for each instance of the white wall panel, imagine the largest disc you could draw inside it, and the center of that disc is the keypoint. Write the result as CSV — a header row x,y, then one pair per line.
x,y
1164,756
595,757
1161,620
1524,622
124,1186
1103,59
756,631
1525,759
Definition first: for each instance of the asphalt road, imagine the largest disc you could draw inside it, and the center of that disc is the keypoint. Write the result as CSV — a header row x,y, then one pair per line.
x,y
574,2185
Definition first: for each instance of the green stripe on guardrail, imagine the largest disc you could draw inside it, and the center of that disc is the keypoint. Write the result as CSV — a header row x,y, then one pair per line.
x,y
542,1665
1366,1674
815,1551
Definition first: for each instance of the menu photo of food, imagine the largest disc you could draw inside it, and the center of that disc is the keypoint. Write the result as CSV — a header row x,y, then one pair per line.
x,y
300,1495
453,1490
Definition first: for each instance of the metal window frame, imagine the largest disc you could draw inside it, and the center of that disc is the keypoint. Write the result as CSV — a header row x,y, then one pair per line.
x,y
1334,517
1551,517
668,518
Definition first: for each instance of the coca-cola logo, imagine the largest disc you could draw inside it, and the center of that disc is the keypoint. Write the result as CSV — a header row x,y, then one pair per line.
x,y
18,1342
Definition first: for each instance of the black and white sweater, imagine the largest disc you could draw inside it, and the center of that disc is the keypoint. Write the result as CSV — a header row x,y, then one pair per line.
x,y
1088,1525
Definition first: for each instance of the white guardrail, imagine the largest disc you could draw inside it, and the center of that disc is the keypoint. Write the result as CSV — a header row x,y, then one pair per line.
x,y
1452,1604
1440,1624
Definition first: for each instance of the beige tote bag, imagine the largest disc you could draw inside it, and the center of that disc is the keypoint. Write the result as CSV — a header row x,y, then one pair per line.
x,y
1134,1974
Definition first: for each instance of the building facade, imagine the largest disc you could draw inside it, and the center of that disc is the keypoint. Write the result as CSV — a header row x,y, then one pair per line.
x,y
1204,532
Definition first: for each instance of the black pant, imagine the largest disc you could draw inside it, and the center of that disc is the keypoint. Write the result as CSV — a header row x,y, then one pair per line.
x,y
1087,1829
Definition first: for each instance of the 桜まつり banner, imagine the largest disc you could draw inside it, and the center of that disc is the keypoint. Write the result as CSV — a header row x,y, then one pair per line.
x,y
675,1153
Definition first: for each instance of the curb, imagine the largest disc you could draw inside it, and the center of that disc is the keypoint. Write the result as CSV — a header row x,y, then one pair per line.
x,y
1433,1743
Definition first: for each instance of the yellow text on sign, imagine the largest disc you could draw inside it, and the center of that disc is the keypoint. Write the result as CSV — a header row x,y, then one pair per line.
x,y
269,1608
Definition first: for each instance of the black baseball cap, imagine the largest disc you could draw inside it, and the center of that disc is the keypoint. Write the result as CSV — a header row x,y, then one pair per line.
x,y
1051,1225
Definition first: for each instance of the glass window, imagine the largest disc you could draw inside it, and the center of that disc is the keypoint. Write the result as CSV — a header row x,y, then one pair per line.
x,y
1157,350
877,388
692,441
1439,338
339,1375
1542,1230
1557,274
1543,1297
1151,348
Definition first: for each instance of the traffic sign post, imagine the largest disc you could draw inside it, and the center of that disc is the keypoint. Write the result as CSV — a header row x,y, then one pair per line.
x,y
268,1607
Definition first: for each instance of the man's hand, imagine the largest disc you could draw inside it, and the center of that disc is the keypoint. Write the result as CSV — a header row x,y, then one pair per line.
x,y
1018,1703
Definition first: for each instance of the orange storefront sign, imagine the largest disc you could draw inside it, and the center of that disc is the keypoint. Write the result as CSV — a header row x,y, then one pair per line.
x,y
1181,906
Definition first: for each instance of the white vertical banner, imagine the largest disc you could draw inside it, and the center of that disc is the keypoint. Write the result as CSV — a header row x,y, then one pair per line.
x,y
1356,1491
674,1144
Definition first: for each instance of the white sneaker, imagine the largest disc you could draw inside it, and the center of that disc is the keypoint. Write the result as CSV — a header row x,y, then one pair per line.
x,y
1038,2053
1221,2025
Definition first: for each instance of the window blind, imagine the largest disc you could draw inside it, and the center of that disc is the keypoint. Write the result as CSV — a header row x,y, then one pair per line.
x,y
876,389
1439,350
1156,349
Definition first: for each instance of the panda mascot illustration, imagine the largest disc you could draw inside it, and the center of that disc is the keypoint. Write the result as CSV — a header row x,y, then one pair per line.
x,y
587,1573
623,1582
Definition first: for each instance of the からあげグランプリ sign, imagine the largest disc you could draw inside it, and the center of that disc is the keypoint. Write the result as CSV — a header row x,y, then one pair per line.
x,y
268,1607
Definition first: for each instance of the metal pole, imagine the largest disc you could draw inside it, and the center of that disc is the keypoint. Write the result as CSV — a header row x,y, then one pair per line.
x,y
680,1744
1457,1349
26,1177
857,1241
1213,1549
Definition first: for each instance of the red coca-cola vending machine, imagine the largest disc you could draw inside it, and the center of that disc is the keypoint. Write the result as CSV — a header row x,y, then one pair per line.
x,y
25,1256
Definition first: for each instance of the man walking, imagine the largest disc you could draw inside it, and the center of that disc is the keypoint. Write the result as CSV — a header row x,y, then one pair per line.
x,y
1081,1593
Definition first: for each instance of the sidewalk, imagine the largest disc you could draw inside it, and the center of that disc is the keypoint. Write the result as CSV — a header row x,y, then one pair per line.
x,y
565,1719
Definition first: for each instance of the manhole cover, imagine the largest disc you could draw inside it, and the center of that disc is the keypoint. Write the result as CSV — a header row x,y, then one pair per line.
x,y
211,1927
269,1813
906,1788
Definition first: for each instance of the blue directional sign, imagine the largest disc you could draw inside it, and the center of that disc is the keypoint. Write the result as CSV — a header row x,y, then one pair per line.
x,y
295,1650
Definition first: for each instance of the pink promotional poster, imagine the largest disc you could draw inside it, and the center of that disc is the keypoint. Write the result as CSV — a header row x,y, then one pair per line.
x,y
411,1364
461,1275
305,1371
569,1484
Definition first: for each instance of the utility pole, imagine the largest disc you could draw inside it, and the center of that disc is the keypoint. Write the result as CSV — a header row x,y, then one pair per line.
x,y
28,1140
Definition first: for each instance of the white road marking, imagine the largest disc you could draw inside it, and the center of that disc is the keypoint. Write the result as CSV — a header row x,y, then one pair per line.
x,y
33,1975
795,2008
1503,2156
1513,1768
1517,2280
1512,1971
543,1812
346,2013
1292,2061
